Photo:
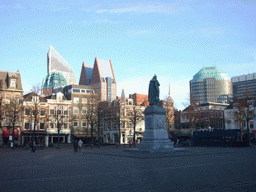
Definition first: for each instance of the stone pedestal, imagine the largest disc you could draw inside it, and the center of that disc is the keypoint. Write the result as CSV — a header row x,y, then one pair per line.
x,y
155,136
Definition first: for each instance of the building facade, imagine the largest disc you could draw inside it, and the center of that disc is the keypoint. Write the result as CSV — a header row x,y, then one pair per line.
x,y
52,81
35,118
55,63
11,96
101,78
58,117
244,86
203,116
84,106
210,84
116,120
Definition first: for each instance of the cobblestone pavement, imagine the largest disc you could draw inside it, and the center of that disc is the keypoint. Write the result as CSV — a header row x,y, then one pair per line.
x,y
114,169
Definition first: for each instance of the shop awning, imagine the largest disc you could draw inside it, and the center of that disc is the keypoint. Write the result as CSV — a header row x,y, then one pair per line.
x,y
84,135
6,133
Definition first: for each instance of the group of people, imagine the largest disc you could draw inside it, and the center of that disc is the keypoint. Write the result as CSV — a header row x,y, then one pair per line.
x,y
78,144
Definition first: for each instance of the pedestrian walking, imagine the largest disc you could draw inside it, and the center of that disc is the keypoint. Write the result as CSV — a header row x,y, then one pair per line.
x,y
34,146
75,146
80,144
12,146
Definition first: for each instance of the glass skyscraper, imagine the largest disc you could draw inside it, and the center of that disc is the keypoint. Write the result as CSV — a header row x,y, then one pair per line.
x,y
55,63
210,84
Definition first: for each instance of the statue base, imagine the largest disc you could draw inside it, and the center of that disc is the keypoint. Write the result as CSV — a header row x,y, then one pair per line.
x,y
155,136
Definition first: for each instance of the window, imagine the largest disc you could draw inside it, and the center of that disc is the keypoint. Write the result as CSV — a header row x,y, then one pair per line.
x,y
52,125
84,124
84,111
17,99
7,98
76,90
65,125
27,111
130,113
41,125
27,126
13,83
84,100
130,124
75,111
66,112
76,100
123,124
123,112
75,123
82,91
42,112
59,112
51,111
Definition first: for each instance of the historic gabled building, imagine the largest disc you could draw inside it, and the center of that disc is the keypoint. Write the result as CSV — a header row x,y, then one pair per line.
x,y
11,93
35,118
59,117
117,120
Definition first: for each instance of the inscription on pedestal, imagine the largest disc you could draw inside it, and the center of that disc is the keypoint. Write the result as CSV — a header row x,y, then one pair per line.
x,y
160,123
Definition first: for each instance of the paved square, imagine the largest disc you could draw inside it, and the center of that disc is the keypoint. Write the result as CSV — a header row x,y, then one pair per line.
x,y
112,169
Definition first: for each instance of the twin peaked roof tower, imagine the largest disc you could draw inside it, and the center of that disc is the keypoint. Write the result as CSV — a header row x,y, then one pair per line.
x,y
101,77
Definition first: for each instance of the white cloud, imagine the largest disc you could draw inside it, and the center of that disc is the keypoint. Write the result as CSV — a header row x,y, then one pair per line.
x,y
147,8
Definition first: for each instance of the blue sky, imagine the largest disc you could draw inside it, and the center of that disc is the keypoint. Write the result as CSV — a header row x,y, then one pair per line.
x,y
172,39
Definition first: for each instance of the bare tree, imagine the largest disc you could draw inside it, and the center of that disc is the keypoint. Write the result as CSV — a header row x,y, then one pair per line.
x,y
92,113
59,118
136,117
191,112
168,106
36,88
11,112
245,111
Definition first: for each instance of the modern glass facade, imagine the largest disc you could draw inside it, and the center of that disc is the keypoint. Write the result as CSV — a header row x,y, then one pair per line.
x,y
210,85
55,63
244,86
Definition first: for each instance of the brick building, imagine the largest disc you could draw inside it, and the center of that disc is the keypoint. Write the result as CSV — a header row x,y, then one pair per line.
x,y
11,94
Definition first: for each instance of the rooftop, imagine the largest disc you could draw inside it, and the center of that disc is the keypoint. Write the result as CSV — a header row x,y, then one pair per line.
x,y
210,72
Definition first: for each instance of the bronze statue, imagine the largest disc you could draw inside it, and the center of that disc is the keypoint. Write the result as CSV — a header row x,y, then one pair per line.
x,y
153,92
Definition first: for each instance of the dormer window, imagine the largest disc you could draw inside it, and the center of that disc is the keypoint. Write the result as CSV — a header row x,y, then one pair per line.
x,y
13,83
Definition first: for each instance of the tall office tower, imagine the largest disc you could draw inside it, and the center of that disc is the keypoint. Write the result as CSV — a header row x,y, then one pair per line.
x,y
52,81
86,74
244,86
103,80
55,63
210,84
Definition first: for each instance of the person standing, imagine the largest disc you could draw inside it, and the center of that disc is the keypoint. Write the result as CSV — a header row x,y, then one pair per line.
x,y
34,146
75,146
80,144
